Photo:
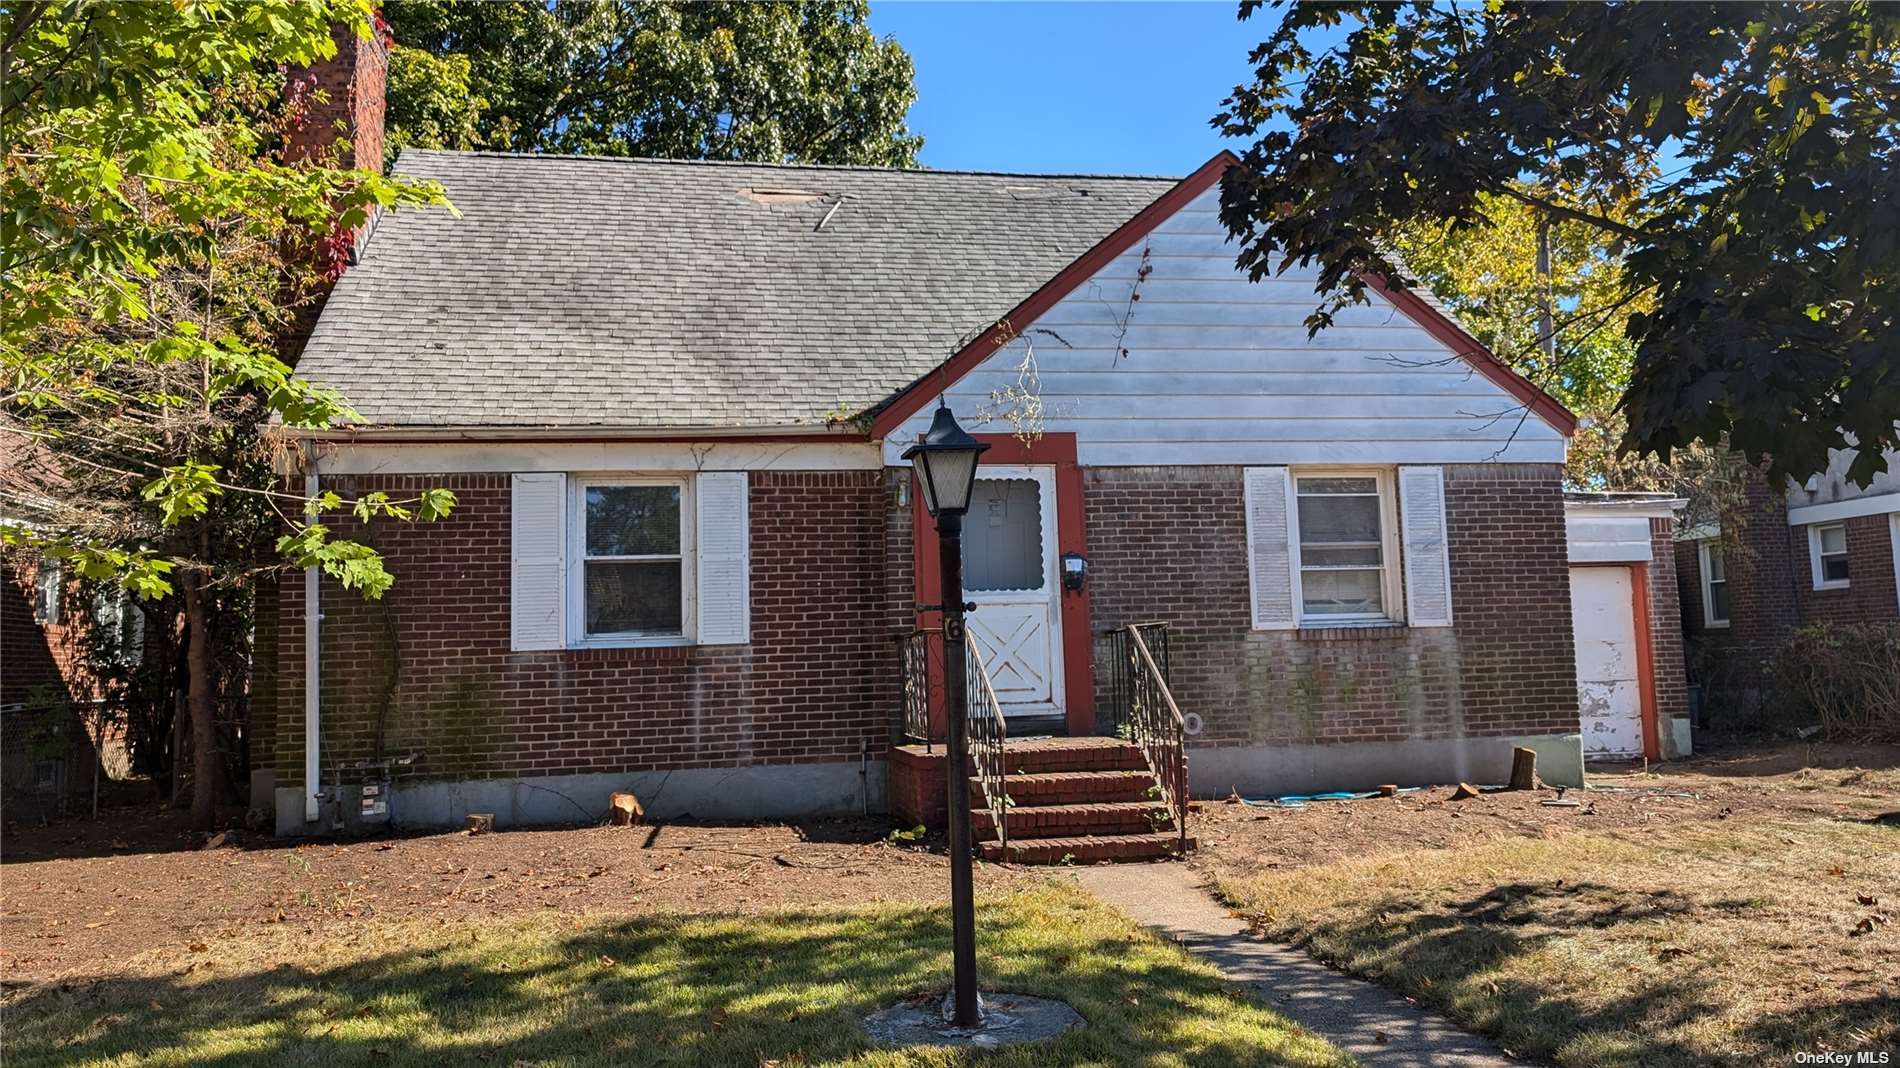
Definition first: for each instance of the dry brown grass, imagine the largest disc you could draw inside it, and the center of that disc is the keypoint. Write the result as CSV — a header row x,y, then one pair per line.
x,y
1718,942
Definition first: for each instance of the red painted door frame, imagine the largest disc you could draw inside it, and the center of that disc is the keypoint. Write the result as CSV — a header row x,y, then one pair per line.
x,y
1645,660
1078,670
1645,655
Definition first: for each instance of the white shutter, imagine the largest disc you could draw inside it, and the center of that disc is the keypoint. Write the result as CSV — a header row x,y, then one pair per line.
x,y
1427,553
1269,554
724,565
537,551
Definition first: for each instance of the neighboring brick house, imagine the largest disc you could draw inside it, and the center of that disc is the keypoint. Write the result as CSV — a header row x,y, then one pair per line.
x,y
672,398
47,759
1823,551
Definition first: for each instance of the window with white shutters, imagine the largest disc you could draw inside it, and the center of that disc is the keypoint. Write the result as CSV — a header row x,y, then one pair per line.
x,y
1330,547
630,560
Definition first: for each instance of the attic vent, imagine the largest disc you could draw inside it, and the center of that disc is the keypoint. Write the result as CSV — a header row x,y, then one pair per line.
x,y
772,197
1044,192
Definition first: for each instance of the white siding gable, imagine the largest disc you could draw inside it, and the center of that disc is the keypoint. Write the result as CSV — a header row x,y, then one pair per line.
x,y
1219,370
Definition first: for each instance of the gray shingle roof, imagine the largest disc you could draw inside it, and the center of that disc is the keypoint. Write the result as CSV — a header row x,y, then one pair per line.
x,y
589,292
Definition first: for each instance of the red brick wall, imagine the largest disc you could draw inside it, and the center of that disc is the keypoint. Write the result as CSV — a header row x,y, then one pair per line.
x,y
1869,596
1170,544
428,669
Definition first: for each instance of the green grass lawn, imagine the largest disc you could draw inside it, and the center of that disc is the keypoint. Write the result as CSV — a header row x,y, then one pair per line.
x,y
1696,945
680,990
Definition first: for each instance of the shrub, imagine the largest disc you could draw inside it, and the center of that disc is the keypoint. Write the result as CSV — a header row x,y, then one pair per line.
x,y
1847,676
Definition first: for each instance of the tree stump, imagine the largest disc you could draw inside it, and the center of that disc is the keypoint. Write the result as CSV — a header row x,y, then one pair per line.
x,y
1523,769
625,810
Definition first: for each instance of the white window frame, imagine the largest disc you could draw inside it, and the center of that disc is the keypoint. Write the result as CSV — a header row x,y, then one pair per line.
x,y
1814,557
49,589
1391,575
577,558
1709,622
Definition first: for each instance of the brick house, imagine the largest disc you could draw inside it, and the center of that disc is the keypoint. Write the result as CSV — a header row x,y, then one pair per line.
x,y
672,399
49,690
47,687
1819,551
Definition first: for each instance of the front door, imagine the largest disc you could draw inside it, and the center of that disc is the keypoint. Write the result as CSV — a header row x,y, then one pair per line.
x,y
1009,572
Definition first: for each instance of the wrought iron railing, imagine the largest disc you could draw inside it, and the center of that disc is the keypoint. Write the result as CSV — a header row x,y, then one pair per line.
x,y
1154,723
914,661
1119,657
987,733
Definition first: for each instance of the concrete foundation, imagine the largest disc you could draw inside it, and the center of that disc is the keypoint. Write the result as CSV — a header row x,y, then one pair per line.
x,y
779,791
1270,771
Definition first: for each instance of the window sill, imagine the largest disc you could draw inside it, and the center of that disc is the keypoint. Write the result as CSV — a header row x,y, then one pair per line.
x,y
1823,586
1366,631
1710,625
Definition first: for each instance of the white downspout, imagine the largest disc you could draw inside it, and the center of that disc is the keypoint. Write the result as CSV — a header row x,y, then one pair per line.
x,y
312,619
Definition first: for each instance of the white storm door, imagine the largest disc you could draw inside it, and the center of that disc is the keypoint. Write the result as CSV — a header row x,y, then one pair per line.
x,y
1609,697
1009,572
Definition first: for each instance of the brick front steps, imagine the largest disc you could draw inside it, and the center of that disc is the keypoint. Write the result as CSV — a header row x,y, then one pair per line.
x,y
1077,800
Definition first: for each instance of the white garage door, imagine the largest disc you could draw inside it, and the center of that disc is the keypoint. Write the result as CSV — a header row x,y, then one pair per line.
x,y
1609,698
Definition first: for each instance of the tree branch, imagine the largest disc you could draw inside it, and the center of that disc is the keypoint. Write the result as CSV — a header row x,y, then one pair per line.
x,y
1574,215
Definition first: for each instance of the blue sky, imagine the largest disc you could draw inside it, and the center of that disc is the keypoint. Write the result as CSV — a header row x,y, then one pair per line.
x,y
1119,88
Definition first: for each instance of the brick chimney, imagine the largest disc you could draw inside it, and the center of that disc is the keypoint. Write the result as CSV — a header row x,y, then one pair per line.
x,y
352,83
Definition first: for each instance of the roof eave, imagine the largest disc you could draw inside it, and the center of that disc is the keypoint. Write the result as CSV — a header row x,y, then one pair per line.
x,y
431,435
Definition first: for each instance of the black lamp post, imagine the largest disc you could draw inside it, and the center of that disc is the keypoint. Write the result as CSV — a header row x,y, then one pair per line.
x,y
946,470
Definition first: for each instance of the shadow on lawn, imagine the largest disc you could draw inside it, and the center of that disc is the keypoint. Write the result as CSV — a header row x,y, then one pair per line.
x,y
1457,955
662,991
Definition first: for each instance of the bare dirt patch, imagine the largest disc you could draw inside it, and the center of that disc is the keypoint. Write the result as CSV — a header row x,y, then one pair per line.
x,y
80,897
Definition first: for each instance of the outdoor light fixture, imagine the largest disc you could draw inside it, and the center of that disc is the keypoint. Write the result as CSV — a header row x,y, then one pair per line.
x,y
946,465
945,461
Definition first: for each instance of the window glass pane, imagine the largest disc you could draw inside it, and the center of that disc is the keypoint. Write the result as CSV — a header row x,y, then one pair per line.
x,y
1718,601
633,520
1338,519
633,598
1339,485
1335,593
1717,571
1833,539
1834,568
1002,536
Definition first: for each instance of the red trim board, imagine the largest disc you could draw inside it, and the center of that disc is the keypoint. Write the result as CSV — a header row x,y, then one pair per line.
x,y
1078,663
1645,661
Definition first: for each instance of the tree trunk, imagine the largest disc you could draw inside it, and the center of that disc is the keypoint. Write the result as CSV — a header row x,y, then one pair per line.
x,y
206,762
181,721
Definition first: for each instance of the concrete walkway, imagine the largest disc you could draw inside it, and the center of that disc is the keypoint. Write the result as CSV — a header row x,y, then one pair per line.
x,y
1351,1013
